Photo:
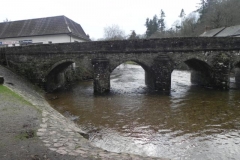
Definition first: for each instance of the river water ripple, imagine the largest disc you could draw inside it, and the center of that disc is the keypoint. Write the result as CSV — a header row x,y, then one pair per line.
x,y
189,123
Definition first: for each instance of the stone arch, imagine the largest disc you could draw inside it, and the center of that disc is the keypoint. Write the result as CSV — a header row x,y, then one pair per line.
x,y
54,76
201,71
197,65
180,59
115,65
147,69
59,63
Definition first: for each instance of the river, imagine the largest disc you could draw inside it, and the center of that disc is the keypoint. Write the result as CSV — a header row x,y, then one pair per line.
x,y
190,122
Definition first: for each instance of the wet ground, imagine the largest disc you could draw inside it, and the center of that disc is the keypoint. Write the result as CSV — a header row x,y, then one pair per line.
x,y
189,123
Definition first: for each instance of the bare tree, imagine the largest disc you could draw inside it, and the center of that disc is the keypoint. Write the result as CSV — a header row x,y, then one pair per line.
x,y
114,33
219,13
188,26
6,20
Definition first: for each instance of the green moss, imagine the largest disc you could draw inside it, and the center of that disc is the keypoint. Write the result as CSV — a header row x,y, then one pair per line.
x,y
2,145
26,135
7,92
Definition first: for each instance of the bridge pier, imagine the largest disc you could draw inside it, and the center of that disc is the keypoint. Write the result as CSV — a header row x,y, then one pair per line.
x,y
101,78
162,71
221,72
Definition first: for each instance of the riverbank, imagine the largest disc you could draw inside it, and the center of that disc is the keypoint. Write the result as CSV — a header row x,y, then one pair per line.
x,y
32,129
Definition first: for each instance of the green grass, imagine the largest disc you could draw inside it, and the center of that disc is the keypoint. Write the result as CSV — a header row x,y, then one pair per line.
x,y
7,92
26,135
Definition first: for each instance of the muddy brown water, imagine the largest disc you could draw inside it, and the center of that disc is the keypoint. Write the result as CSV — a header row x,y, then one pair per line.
x,y
188,123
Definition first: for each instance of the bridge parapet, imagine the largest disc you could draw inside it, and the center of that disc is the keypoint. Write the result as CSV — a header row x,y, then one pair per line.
x,y
180,44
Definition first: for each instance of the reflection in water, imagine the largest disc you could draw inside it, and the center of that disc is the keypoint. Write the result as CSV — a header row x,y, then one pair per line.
x,y
190,123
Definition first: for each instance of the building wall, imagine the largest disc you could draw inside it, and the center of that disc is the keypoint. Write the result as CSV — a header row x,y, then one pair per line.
x,y
75,39
61,38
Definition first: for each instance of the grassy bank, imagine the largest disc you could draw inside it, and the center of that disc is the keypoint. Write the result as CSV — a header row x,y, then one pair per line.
x,y
6,92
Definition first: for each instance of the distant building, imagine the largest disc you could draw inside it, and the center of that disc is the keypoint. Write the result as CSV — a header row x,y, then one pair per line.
x,y
59,29
233,31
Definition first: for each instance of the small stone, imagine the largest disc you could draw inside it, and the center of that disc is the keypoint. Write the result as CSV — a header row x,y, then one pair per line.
x,y
40,134
52,132
44,120
73,154
63,140
80,151
42,130
62,136
58,145
43,125
45,141
93,153
78,130
62,148
71,133
47,145
44,114
68,130
61,152
84,155
53,149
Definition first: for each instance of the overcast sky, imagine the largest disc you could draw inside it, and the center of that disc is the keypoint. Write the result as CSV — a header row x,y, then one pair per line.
x,y
94,15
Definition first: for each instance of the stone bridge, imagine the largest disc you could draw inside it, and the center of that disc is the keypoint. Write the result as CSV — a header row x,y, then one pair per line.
x,y
210,59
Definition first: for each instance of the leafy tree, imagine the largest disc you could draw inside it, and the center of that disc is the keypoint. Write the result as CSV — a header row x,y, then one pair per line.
x,y
133,35
155,24
113,33
152,25
182,14
210,14
161,21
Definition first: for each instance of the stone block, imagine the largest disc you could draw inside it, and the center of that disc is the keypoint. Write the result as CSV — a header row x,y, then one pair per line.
x,y
1,80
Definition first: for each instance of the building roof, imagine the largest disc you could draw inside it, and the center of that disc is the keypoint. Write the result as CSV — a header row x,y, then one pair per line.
x,y
42,26
212,32
232,31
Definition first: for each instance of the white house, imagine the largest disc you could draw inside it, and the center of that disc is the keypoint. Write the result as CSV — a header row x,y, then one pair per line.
x,y
59,29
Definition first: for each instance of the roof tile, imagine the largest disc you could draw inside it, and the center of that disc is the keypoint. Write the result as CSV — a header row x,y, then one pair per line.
x,y
41,26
